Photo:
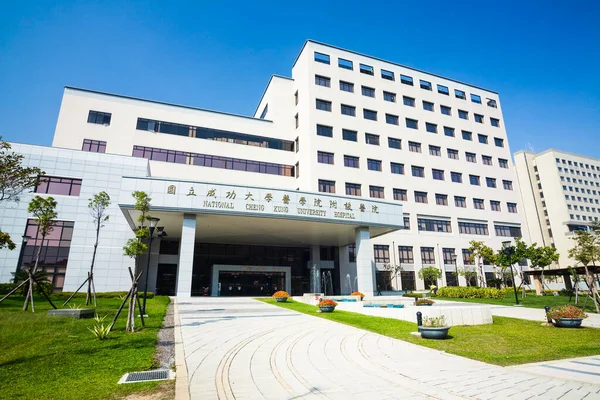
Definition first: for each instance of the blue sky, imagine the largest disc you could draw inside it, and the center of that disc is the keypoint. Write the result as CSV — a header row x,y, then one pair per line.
x,y
543,57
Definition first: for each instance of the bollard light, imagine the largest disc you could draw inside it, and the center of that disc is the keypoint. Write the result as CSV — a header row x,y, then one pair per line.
x,y
419,318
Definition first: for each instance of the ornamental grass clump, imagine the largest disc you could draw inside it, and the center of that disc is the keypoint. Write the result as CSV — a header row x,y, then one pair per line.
x,y
566,311
362,295
327,303
421,302
435,322
281,295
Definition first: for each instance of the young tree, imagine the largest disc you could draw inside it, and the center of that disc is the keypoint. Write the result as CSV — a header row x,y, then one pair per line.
x,y
587,251
430,274
479,252
14,180
469,274
391,272
541,257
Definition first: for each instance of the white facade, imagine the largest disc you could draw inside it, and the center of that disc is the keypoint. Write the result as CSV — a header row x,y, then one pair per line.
x,y
282,139
561,194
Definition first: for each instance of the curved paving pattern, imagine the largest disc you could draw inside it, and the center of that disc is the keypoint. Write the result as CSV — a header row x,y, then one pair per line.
x,y
244,349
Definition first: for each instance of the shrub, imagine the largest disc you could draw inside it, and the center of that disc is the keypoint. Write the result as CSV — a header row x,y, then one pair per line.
x,y
435,322
411,294
362,295
420,302
100,295
281,295
100,331
470,292
327,303
566,311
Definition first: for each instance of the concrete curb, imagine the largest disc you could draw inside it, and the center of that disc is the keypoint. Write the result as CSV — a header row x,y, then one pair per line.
x,y
182,388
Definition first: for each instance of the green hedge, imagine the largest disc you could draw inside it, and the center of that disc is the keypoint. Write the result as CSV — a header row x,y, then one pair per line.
x,y
5,288
470,292
99,295
411,294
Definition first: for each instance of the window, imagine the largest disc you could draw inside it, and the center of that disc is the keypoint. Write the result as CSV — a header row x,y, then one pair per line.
x,y
97,117
264,112
512,207
432,128
475,98
406,254
369,114
58,185
428,255
468,257
441,199
453,154
408,101
352,189
471,228
373,165
345,64
391,119
466,135
297,121
449,131
323,105
381,253
407,80
389,75
349,110
463,114
324,158
389,96
295,101
326,186
443,90
367,91
421,197
446,110
499,142
471,157
372,139
478,204
349,135
347,86
456,177
492,103
322,58
487,160
503,163
351,161
419,172
495,205
507,185
508,231
425,85
490,182
414,147
366,69
94,146
322,81
482,138
460,201
323,130
438,174
474,180
412,123
400,194
495,122
397,168
376,192
434,225
478,118
394,143
459,94
435,151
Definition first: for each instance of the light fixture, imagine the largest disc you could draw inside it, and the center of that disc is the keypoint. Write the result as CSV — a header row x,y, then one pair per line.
x,y
153,222
26,239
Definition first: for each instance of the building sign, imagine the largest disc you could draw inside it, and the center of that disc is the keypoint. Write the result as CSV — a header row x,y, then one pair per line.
x,y
216,198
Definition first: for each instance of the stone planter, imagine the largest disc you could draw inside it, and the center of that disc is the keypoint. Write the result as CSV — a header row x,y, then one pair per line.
x,y
281,299
327,308
434,333
424,305
568,322
79,313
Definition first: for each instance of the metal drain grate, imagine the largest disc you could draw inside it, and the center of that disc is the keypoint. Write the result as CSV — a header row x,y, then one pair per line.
x,y
145,376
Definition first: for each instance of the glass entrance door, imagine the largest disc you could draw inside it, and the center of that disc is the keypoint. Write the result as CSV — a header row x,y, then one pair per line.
x,y
251,283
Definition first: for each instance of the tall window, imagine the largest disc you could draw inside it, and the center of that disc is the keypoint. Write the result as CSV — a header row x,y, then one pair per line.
x,y
323,105
449,255
94,146
406,254
353,189
351,162
57,185
324,157
326,186
467,257
428,255
323,130
376,192
381,253
400,195
99,117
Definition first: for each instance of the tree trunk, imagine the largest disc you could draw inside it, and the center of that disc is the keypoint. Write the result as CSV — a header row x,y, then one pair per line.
x,y
131,311
592,286
29,296
91,275
542,282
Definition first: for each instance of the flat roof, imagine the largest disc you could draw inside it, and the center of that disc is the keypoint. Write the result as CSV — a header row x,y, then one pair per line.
x,y
553,150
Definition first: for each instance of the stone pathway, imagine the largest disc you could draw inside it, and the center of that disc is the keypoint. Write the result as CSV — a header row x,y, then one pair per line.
x,y
582,369
239,348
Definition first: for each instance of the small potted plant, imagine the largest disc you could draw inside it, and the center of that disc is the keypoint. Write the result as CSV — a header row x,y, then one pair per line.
x,y
362,295
281,296
567,316
423,302
326,305
434,328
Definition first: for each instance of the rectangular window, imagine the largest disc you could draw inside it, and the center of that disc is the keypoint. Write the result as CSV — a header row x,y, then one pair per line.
x,y
326,186
322,81
503,163
94,146
478,118
487,160
499,142
394,143
427,106
492,103
471,157
264,111
347,86
495,122
474,180
351,136
419,172
324,157
412,123
348,110
449,257
456,177
389,96
400,194
512,207
428,255
475,99
376,192
367,91
407,80
322,58
369,114
389,75
482,139
490,182
438,174
421,197
446,110
453,154
406,256
460,201
449,131
434,225
432,128
408,101
352,189
98,117
373,165
345,64
397,168
478,204
414,147
435,150
443,90
471,228
381,253
495,205
323,130
507,185
441,200
372,139
391,119
366,69
323,105
462,114
352,253
425,85
58,185
351,161
507,231
459,94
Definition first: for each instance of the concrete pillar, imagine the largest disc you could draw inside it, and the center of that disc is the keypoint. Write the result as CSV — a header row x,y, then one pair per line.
x,y
365,267
315,269
186,256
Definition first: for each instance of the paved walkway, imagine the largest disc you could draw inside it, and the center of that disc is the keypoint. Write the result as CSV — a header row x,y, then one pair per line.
x,y
243,349
582,369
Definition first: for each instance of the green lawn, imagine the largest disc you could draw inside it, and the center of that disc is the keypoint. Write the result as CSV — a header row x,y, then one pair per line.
x,y
507,341
58,358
